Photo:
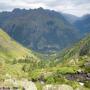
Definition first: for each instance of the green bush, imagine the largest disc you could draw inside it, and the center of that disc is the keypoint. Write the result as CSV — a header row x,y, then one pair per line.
x,y
87,84
50,80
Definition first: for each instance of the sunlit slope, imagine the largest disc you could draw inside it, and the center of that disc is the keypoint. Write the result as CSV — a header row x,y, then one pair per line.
x,y
9,49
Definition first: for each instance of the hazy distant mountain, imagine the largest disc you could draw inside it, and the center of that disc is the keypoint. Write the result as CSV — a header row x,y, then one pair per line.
x,y
70,18
39,29
83,24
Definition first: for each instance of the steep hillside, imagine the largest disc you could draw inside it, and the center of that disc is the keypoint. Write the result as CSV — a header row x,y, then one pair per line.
x,y
9,49
39,29
78,55
83,24
82,48
13,57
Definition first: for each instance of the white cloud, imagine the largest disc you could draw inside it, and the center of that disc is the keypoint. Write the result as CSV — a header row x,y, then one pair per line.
x,y
78,10
76,7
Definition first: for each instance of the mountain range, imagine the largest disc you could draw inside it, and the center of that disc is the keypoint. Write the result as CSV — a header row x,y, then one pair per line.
x,y
39,29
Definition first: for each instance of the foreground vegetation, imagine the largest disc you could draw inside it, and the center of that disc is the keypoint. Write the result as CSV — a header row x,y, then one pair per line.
x,y
18,63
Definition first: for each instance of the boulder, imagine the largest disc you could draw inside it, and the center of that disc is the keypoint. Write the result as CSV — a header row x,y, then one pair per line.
x,y
57,87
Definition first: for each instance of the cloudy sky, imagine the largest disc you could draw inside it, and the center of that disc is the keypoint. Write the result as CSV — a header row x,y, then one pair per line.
x,y
76,7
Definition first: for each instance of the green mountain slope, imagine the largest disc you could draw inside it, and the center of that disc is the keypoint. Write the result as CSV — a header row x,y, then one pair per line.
x,y
9,49
79,54
13,57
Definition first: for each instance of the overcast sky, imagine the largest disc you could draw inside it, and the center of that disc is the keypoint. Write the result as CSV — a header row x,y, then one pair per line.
x,y
76,7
